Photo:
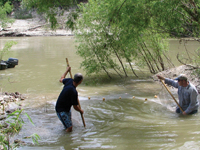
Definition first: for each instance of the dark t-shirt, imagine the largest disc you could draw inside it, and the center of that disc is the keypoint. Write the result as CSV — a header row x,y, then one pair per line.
x,y
67,97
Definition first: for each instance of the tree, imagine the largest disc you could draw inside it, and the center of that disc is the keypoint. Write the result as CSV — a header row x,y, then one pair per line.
x,y
12,125
4,10
51,8
112,33
180,18
10,1
133,30
6,49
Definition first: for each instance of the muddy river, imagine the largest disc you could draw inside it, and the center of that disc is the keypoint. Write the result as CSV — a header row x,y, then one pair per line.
x,y
125,120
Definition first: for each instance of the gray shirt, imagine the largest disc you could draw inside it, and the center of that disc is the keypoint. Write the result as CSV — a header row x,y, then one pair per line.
x,y
187,95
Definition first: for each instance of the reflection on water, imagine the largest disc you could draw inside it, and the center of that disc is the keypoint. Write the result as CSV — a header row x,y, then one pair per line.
x,y
120,122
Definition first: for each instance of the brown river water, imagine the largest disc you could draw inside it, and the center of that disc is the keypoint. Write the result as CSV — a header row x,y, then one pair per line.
x,y
120,122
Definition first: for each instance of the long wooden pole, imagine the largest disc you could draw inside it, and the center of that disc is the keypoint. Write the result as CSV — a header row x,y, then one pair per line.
x,y
77,98
171,95
68,66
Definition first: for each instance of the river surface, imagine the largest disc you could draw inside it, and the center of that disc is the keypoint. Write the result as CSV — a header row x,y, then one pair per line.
x,y
125,120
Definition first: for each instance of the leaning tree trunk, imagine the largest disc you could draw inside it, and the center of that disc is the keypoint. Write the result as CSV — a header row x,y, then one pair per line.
x,y
119,61
101,63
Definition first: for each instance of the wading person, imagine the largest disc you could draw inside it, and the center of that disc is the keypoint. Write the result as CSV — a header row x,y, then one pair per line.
x,y
187,94
67,98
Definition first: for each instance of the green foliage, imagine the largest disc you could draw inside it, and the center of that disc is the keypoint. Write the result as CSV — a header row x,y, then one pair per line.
x,y
4,10
15,122
6,49
11,126
179,18
112,33
71,22
35,138
46,5
50,8
52,19
11,1
134,31
22,13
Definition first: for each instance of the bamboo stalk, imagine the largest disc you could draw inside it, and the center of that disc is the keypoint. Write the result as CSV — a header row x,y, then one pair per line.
x,y
83,120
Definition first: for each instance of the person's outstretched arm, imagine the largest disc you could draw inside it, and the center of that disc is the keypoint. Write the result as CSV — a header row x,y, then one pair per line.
x,y
161,77
168,81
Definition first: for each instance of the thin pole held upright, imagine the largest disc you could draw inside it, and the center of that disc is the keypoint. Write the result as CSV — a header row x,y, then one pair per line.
x,y
83,120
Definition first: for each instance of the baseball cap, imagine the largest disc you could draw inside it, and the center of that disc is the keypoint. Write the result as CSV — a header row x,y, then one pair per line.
x,y
181,77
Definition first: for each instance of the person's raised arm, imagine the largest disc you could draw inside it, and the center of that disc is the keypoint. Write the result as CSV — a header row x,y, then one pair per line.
x,y
64,74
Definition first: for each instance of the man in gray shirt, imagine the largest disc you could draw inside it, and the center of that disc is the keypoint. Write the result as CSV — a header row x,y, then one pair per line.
x,y
187,94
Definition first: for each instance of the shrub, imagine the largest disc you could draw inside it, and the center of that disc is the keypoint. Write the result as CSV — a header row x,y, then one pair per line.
x,y
23,13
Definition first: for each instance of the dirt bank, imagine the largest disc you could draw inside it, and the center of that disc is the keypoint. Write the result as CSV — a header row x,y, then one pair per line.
x,y
36,26
184,69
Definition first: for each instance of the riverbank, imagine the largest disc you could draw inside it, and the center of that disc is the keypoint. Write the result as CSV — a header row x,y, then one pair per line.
x,y
36,26
10,102
183,69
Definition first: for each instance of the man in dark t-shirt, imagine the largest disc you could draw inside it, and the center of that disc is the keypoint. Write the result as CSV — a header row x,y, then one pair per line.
x,y
67,98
